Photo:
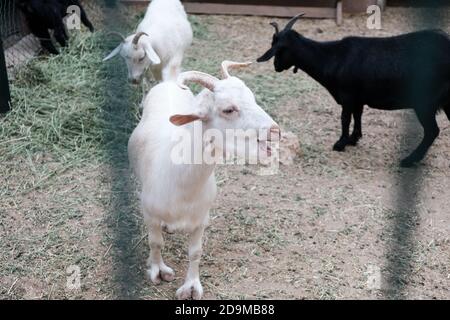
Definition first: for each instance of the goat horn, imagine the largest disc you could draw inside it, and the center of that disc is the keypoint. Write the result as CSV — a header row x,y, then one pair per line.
x,y
291,22
275,25
138,36
115,33
232,65
203,79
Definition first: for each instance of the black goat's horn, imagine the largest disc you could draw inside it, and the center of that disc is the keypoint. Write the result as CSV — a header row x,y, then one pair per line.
x,y
115,33
275,25
138,36
291,22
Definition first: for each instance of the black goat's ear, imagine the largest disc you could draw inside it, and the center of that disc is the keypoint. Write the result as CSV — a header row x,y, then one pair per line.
x,y
267,56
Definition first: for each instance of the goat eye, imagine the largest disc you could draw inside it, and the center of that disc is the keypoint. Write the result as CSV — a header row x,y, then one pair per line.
x,y
229,110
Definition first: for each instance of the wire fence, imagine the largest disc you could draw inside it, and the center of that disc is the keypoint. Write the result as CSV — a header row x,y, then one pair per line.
x,y
18,44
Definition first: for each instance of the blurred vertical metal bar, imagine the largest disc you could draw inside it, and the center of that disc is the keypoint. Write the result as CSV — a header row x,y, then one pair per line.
x,y
406,217
119,123
5,96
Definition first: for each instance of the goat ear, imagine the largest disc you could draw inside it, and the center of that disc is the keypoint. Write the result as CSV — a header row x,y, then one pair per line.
x,y
151,54
182,119
267,56
113,53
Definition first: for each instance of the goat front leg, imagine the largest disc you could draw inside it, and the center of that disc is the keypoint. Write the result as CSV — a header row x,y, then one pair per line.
x,y
192,288
144,86
44,38
172,70
431,132
157,72
158,269
357,129
85,19
346,118
60,34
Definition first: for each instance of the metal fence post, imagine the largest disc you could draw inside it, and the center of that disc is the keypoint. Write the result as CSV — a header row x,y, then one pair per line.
x,y
5,97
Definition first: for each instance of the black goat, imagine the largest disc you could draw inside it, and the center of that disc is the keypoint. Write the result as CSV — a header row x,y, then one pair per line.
x,y
42,15
406,71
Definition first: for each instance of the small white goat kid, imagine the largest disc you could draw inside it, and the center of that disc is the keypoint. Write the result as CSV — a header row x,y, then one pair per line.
x,y
179,196
158,44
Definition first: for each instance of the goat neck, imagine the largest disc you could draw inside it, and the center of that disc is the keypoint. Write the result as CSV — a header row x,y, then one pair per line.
x,y
310,56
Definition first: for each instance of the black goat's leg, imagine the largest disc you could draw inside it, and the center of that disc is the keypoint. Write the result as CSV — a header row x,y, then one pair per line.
x,y
65,32
60,34
45,39
447,111
85,19
346,118
357,130
431,132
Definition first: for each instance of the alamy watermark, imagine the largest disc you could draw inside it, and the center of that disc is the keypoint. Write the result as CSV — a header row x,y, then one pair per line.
x,y
374,19
196,145
73,273
374,279
73,20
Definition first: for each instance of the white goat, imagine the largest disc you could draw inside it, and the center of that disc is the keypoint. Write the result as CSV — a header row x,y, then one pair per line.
x,y
158,44
179,196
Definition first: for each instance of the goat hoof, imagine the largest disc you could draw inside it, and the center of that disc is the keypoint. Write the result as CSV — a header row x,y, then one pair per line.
x,y
340,146
353,140
408,163
191,289
157,273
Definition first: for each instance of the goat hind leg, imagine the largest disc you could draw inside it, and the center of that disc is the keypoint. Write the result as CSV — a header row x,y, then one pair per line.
x,y
431,132
158,269
346,118
192,288
357,130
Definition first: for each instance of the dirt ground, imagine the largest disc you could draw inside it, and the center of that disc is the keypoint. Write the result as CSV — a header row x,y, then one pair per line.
x,y
329,226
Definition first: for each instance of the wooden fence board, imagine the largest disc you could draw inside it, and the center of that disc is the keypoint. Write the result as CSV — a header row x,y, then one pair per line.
x,y
285,8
